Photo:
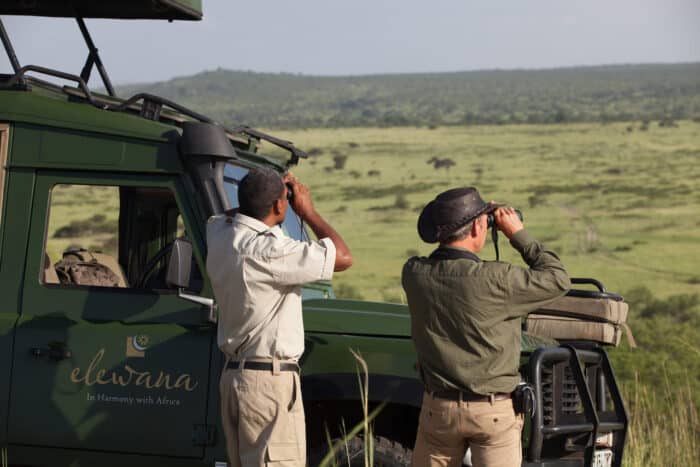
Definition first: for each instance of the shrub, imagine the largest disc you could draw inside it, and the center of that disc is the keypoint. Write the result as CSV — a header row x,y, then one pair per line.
x,y
401,202
95,225
535,200
343,290
339,161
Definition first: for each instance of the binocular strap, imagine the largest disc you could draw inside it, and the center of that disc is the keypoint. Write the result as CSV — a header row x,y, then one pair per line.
x,y
494,237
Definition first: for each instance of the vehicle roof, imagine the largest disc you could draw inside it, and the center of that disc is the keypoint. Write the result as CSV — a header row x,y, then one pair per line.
x,y
35,108
66,108
117,9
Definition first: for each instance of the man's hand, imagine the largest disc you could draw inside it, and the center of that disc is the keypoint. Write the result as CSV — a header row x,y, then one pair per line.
x,y
301,202
304,208
507,221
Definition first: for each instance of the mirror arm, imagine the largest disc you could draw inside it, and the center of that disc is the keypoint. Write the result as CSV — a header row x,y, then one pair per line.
x,y
207,302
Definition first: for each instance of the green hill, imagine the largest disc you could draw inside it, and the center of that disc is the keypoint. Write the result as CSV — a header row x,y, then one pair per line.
x,y
601,93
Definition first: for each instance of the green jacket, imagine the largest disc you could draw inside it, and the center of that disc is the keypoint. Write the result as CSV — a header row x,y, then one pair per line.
x,y
465,313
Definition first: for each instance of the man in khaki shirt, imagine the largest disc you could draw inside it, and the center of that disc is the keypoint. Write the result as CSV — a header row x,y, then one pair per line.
x,y
256,272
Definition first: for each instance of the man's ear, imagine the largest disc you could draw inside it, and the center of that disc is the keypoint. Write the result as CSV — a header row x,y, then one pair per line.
x,y
278,207
474,231
477,225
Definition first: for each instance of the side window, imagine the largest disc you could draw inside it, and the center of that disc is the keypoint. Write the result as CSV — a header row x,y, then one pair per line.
x,y
233,174
292,226
4,138
111,236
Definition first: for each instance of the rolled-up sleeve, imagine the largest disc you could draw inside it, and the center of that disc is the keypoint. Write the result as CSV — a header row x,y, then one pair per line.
x,y
296,263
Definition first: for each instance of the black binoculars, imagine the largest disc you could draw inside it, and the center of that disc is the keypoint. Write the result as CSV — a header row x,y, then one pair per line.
x,y
491,220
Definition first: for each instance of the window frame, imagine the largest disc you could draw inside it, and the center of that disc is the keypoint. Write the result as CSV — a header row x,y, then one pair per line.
x,y
105,180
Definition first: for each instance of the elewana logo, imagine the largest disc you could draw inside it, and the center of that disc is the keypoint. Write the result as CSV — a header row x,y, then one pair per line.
x,y
96,374
136,345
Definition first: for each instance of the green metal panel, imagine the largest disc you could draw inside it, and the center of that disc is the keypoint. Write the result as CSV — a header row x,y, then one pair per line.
x,y
103,396
20,189
13,243
32,107
101,399
356,317
330,353
42,147
121,9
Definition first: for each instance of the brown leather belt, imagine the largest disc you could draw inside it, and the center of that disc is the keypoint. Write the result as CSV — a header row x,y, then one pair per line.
x,y
262,366
454,395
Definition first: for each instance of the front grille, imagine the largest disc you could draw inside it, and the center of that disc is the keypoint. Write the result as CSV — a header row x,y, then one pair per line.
x,y
570,399
547,396
560,396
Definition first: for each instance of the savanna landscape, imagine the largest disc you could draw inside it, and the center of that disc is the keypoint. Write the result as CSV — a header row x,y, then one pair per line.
x,y
615,204
608,177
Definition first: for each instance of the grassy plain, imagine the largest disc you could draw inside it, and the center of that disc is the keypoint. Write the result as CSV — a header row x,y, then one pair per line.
x,y
617,203
84,216
622,206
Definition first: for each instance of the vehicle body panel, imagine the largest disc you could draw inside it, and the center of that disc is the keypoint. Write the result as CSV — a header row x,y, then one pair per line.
x,y
357,317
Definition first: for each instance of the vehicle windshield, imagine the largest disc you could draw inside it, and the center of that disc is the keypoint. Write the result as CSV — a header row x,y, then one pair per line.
x,y
292,226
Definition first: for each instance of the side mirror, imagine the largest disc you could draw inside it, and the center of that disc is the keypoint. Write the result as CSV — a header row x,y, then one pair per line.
x,y
179,264
179,269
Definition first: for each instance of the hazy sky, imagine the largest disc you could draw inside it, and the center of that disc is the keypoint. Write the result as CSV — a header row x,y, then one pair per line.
x,y
329,37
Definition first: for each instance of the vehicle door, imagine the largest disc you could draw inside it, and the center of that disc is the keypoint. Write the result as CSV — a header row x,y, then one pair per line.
x,y
117,366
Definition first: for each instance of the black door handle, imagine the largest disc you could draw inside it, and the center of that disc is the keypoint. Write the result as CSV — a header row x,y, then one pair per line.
x,y
56,351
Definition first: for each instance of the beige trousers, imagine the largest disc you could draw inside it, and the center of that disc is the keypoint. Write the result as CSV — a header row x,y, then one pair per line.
x,y
263,418
447,428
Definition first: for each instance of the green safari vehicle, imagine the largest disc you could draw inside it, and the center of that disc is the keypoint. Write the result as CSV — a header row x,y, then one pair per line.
x,y
108,351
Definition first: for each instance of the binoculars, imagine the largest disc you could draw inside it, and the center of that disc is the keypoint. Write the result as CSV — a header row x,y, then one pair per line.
x,y
491,220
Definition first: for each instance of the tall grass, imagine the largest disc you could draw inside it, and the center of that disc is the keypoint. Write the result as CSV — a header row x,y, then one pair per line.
x,y
664,426
364,427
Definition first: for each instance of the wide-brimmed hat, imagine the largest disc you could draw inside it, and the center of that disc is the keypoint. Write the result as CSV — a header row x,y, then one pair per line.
x,y
449,211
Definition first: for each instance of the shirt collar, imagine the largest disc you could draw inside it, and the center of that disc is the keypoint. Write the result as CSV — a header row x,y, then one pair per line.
x,y
450,252
256,225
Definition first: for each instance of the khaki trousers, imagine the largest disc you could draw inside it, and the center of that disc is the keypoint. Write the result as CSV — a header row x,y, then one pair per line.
x,y
263,418
447,428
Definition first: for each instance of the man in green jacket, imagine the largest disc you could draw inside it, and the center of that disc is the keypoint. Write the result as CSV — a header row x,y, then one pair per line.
x,y
466,326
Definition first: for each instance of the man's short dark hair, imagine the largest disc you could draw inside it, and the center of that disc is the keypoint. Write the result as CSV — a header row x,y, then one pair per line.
x,y
258,191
